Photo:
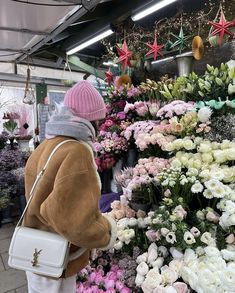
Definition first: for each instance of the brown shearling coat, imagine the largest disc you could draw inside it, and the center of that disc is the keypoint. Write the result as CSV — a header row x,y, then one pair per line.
x,y
66,199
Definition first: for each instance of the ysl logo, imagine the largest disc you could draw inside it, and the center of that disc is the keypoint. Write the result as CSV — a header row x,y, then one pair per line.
x,y
36,253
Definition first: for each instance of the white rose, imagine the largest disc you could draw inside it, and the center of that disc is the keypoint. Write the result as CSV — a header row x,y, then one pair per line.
x,y
228,255
207,158
190,277
152,256
142,258
132,222
118,245
227,277
219,156
139,279
158,262
142,269
226,144
169,276
176,265
176,163
188,144
215,145
122,223
153,279
189,255
212,251
230,154
178,143
231,220
205,147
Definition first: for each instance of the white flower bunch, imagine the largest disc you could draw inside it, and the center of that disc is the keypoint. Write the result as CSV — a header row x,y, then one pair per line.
x,y
185,143
227,206
208,272
124,236
152,276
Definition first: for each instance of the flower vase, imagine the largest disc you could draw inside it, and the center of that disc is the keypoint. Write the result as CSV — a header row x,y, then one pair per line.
x,y
185,64
106,177
115,187
132,157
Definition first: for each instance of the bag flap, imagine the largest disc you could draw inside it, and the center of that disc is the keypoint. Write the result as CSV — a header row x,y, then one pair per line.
x,y
35,245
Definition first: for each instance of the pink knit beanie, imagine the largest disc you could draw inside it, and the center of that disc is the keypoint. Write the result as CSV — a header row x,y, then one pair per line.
x,y
85,101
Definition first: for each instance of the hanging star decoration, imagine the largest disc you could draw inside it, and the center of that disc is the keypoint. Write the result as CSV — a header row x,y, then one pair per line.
x,y
124,55
181,40
155,49
109,76
221,28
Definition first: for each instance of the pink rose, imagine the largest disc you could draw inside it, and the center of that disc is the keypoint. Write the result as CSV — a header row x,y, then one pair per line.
x,y
230,239
152,235
180,287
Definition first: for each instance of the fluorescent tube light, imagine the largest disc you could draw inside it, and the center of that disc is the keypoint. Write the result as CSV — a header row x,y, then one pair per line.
x,y
110,63
151,9
90,41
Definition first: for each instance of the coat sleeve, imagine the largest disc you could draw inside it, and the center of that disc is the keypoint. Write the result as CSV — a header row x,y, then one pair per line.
x,y
72,208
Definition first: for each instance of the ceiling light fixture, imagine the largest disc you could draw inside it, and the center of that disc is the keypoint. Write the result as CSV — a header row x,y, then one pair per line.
x,y
151,9
90,41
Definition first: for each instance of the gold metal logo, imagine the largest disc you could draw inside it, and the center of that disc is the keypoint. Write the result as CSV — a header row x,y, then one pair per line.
x,y
36,253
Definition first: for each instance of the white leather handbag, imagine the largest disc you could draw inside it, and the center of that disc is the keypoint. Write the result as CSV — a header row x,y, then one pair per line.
x,y
36,251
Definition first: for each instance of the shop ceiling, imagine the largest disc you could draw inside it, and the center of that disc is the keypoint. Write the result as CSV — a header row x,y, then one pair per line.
x,y
41,31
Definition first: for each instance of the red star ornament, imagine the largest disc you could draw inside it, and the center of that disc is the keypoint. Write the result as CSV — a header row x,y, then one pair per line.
x,y
221,27
124,55
155,49
109,76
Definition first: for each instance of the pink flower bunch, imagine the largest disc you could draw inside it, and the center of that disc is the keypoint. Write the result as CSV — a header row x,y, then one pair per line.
x,y
111,142
120,210
107,124
133,92
150,166
105,162
140,108
96,281
204,127
137,128
175,108
145,140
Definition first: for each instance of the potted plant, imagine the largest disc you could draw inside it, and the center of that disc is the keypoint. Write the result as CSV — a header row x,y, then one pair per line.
x,y
11,127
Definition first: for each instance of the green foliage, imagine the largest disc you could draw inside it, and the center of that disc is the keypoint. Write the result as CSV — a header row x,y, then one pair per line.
x,y
10,126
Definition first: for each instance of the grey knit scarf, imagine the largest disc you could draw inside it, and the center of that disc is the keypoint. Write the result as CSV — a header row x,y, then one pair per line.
x,y
65,123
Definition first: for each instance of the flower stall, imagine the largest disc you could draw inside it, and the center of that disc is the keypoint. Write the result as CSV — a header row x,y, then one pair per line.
x,y
175,216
